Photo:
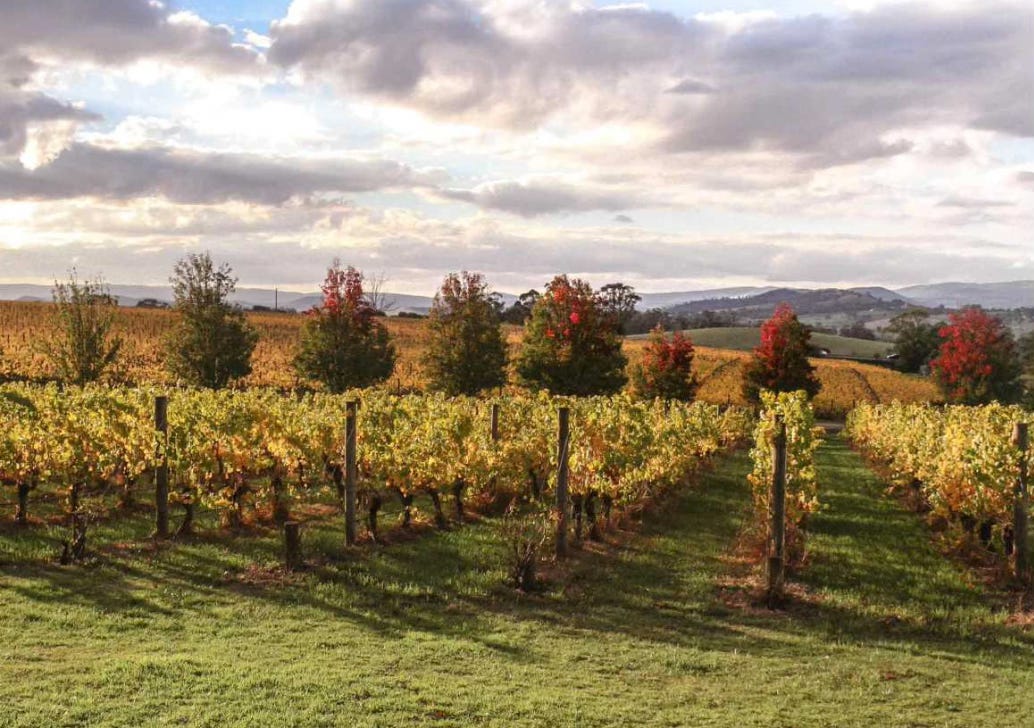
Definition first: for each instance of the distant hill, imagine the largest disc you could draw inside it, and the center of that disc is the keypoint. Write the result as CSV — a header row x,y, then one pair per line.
x,y
1013,294
668,300
804,302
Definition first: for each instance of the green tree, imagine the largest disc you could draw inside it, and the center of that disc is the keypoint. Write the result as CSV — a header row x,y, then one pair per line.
x,y
82,346
343,342
780,363
571,344
212,342
916,340
466,349
619,301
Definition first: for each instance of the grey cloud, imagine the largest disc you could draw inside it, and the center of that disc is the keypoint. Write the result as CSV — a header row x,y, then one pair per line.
x,y
196,178
826,89
114,32
972,203
691,86
541,197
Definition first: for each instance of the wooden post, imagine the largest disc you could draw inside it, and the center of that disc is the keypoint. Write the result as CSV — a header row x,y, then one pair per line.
x,y
161,473
351,470
777,509
563,442
1021,505
292,545
495,423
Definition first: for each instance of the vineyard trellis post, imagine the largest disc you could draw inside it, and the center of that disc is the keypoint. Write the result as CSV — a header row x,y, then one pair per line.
x,y
1021,504
293,545
351,470
495,422
563,448
161,473
777,508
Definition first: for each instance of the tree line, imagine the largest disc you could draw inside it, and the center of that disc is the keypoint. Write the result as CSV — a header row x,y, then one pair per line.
x,y
571,343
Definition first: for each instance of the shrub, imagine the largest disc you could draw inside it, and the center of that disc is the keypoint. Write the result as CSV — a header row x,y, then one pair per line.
x,y
82,346
466,350
343,344
978,361
666,371
780,363
212,342
571,345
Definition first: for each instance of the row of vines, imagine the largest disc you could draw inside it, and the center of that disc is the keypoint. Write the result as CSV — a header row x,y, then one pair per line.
x,y
257,453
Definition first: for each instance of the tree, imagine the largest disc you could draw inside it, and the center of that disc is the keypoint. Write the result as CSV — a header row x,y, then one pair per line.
x,y
619,300
858,330
519,312
915,339
82,346
571,344
780,363
1025,344
466,349
212,342
343,342
978,361
666,370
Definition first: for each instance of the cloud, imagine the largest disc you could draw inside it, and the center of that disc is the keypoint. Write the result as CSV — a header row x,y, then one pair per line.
x,y
829,90
190,178
41,34
118,32
541,197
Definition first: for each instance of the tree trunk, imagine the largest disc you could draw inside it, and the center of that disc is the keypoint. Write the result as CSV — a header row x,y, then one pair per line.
x,y
281,514
457,494
590,514
371,522
22,514
439,517
608,502
407,508
576,506
187,527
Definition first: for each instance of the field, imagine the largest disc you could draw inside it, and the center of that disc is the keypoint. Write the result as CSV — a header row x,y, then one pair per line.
x,y
649,628
718,363
743,338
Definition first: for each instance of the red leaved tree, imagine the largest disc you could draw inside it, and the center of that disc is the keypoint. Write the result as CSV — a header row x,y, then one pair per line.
x,y
780,363
571,344
343,343
666,371
978,360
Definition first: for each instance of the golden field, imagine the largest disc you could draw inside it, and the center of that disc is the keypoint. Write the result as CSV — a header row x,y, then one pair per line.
x,y
844,383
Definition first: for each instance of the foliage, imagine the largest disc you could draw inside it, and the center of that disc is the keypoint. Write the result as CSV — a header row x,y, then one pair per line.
x,y
343,344
571,345
81,345
519,312
915,339
960,458
780,363
212,342
978,361
802,440
666,369
466,350
619,300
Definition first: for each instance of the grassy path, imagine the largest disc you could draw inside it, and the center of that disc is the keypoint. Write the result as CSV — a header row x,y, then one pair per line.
x,y
421,632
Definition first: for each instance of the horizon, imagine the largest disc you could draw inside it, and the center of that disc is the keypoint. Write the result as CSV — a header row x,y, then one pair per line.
x,y
671,145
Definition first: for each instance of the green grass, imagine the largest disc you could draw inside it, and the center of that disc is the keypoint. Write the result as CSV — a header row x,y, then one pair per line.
x,y
743,338
423,631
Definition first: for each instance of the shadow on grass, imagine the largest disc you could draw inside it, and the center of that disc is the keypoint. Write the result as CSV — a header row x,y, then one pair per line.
x,y
876,578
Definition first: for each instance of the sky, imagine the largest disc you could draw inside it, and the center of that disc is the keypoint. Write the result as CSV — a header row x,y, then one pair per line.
x,y
671,145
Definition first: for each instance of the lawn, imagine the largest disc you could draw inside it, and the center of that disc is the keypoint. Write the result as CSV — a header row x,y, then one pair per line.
x,y
423,631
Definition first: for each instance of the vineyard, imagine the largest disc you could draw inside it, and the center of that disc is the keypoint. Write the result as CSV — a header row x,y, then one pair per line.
x,y
255,454
960,463
844,383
